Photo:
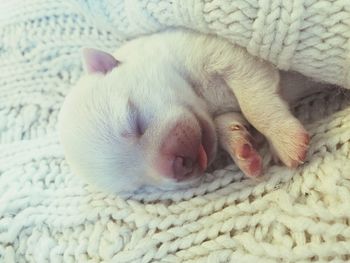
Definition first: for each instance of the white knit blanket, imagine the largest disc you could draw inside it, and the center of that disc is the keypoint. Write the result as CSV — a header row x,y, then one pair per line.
x,y
49,215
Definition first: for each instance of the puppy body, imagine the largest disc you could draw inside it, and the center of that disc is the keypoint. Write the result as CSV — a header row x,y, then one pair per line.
x,y
151,117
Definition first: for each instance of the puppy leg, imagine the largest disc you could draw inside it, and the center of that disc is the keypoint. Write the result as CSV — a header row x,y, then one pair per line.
x,y
264,108
255,84
237,141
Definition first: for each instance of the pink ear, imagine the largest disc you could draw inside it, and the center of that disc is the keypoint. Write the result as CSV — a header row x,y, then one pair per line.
x,y
98,61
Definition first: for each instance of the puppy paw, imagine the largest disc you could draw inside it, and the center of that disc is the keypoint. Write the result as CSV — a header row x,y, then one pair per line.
x,y
289,141
246,157
238,142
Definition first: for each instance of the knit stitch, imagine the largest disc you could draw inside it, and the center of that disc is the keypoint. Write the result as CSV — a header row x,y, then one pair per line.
x,y
48,215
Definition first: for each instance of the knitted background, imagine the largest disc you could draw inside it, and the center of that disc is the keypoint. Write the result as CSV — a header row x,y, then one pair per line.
x,y
49,215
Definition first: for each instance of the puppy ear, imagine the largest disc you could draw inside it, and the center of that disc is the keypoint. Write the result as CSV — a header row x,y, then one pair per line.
x,y
97,61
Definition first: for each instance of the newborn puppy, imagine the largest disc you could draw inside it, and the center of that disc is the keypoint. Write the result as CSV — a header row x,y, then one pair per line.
x,y
154,111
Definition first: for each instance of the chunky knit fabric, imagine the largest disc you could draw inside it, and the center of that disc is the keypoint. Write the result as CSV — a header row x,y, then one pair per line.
x,y
49,215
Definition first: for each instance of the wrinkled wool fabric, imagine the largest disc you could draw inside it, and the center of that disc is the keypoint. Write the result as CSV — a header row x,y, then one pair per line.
x,y
49,215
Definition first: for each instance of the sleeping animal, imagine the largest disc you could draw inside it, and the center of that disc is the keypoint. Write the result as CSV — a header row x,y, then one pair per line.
x,y
155,111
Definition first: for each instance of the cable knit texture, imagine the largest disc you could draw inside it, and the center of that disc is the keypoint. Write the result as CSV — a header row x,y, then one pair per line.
x,y
49,215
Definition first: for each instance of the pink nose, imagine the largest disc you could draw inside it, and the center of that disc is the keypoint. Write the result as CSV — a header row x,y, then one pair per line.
x,y
184,151
183,166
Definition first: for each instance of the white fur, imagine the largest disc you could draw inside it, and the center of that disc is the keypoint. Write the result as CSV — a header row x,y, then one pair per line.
x,y
162,75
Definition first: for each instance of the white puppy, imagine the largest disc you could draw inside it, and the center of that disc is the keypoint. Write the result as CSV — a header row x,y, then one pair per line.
x,y
152,113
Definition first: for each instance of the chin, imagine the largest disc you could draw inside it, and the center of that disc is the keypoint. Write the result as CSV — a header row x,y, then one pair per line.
x,y
175,185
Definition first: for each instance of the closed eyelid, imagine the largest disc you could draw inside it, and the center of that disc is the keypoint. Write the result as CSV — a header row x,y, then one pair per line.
x,y
135,120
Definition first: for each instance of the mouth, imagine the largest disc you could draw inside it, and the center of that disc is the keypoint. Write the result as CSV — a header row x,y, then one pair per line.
x,y
208,142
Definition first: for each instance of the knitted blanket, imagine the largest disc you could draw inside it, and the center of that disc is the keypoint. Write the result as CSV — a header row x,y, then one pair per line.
x,y
49,215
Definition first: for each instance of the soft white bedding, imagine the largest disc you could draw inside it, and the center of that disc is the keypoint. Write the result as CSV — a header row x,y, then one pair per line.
x,y
49,215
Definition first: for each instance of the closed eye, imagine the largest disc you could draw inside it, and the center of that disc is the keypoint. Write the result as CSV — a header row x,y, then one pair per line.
x,y
136,123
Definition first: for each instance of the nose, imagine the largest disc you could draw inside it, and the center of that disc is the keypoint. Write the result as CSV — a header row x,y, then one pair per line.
x,y
183,148
183,166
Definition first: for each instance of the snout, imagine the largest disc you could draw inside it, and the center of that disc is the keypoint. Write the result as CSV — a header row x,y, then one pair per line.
x,y
184,166
185,150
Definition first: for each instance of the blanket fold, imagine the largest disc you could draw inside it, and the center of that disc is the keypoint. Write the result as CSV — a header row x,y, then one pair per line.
x,y
48,215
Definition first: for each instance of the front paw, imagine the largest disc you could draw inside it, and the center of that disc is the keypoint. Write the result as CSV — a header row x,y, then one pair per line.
x,y
238,142
289,141
246,157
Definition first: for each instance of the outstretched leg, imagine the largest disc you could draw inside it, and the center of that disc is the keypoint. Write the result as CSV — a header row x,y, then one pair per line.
x,y
258,95
255,84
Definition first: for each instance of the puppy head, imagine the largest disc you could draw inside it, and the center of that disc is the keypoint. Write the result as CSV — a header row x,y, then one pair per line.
x,y
126,125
